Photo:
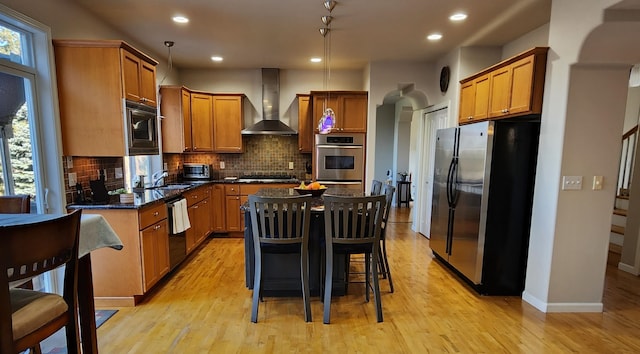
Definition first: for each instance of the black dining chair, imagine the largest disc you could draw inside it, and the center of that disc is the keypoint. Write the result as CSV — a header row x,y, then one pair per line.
x,y
376,187
280,225
388,191
27,317
353,225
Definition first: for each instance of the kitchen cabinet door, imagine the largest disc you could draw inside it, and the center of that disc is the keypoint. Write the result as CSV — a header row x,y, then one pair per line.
x,y
202,122
354,113
320,102
176,124
218,208
191,233
227,123
155,253
305,125
474,100
234,224
521,85
139,79
500,92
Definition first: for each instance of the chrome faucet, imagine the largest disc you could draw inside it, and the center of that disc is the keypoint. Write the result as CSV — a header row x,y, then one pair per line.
x,y
157,177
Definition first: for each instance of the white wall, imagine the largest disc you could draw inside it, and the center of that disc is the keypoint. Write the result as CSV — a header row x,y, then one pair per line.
x,y
385,131
536,38
567,251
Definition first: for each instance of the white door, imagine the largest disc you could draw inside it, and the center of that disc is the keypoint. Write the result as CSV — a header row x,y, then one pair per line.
x,y
435,118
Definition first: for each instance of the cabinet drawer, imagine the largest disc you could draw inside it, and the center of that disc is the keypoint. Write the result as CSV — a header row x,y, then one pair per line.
x,y
152,215
195,195
232,189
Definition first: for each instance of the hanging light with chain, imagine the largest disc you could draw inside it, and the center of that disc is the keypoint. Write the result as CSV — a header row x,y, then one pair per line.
x,y
328,119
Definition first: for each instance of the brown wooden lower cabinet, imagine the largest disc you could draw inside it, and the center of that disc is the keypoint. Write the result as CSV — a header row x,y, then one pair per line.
x,y
122,278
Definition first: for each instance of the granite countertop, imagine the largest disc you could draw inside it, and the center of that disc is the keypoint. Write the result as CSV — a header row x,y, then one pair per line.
x,y
317,203
146,197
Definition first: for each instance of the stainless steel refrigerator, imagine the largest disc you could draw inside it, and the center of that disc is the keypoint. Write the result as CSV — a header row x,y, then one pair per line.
x,y
482,197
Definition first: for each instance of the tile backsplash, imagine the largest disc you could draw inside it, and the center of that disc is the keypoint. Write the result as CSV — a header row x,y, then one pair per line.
x,y
263,154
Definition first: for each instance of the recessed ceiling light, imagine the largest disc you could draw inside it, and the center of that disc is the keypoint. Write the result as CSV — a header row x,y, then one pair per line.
x,y
458,16
316,60
216,58
180,19
434,36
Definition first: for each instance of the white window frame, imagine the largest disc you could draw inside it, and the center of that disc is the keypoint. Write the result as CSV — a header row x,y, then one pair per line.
x,y
48,144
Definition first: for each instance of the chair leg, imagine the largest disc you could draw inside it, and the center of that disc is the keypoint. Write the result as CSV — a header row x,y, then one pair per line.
x,y
328,276
72,334
381,265
376,291
304,275
257,275
385,260
367,277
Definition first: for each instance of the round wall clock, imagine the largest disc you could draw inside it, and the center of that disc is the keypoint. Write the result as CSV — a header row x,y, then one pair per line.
x,y
444,79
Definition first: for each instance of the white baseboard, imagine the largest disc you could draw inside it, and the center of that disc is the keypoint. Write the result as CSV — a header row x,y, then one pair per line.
x,y
628,268
561,306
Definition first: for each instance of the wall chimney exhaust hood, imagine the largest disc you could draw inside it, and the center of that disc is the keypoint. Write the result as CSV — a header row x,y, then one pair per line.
x,y
270,123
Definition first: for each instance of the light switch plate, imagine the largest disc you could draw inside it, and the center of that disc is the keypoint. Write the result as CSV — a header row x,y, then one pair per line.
x,y
571,183
222,165
69,161
291,165
118,172
597,182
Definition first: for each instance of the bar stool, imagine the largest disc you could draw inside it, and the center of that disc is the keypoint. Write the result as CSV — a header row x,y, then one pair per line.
x,y
404,193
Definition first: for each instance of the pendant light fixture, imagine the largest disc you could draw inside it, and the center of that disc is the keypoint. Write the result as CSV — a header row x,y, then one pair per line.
x,y
328,118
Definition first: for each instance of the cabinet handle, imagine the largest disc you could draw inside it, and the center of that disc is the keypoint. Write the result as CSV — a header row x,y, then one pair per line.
x,y
470,117
195,206
156,213
157,227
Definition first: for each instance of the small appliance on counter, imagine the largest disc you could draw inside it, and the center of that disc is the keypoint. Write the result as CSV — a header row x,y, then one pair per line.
x,y
199,172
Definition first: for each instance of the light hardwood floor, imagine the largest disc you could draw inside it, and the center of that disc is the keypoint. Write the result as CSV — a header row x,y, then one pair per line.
x,y
204,307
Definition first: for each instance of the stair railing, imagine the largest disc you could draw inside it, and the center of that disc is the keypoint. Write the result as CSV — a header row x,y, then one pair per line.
x,y
629,141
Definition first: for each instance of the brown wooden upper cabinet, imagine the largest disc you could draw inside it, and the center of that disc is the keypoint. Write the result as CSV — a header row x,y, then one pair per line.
x,y
94,76
513,87
305,124
175,109
350,108
139,79
227,123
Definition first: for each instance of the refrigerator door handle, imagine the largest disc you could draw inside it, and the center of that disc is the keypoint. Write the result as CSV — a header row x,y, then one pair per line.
x,y
453,181
449,182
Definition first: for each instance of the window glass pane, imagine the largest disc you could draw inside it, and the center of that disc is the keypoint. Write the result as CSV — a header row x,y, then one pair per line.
x,y
12,46
16,160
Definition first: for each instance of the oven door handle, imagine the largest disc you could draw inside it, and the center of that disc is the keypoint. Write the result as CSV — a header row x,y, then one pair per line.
x,y
339,146
339,182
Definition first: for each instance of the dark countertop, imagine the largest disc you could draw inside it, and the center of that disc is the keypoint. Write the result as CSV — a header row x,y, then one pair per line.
x,y
316,204
146,197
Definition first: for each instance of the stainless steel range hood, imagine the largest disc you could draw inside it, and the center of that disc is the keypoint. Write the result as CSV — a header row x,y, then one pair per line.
x,y
270,123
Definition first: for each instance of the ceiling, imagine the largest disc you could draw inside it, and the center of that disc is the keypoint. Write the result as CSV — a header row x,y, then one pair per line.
x,y
285,33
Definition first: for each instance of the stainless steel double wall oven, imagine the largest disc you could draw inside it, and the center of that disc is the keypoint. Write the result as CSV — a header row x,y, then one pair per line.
x,y
339,160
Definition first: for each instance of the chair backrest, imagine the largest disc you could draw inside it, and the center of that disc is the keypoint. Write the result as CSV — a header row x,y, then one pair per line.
x,y
376,187
353,220
388,192
280,219
15,204
31,249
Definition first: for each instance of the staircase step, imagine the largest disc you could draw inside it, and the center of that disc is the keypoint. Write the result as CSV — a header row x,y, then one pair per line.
x,y
617,229
619,211
615,248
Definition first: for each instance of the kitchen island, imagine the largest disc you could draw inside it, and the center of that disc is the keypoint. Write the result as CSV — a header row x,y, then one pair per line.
x,y
281,272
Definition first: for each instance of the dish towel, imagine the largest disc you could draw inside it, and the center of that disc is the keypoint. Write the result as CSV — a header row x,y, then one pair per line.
x,y
180,217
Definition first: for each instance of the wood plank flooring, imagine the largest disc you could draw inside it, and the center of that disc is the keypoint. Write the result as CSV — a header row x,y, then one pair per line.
x,y
204,307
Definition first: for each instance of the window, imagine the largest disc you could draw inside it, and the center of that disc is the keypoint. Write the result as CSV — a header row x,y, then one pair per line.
x,y
28,114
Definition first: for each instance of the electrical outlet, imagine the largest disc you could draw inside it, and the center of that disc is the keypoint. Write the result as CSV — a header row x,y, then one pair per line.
x,y
291,165
118,172
165,166
69,161
73,179
105,174
222,165
571,182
